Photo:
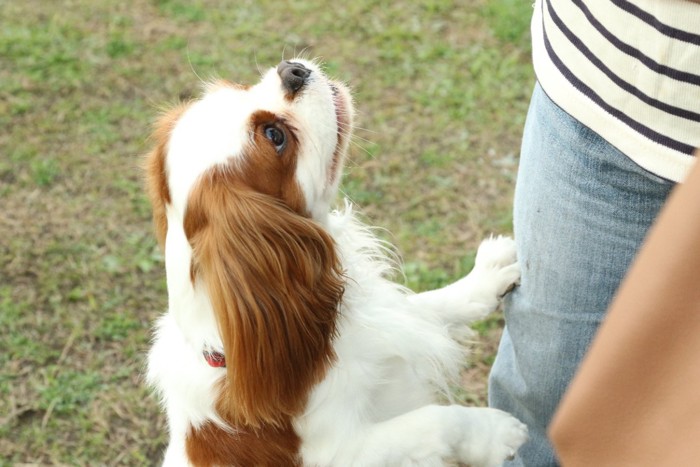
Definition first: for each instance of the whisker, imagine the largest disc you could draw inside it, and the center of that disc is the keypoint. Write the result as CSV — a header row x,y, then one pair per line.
x,y
364,140
347,127
189,62
363,149
365,130
257,65
302,55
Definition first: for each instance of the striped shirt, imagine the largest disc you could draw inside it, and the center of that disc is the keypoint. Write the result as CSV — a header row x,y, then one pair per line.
x,y
629,70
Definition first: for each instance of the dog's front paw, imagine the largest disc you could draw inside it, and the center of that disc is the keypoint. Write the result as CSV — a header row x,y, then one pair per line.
x,y
496,271
497,264
510,434
497,438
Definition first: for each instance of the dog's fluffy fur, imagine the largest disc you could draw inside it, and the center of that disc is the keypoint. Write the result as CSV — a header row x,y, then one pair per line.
x,y
328,362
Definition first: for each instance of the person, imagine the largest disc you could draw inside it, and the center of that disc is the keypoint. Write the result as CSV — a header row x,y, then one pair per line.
x,y
612,124
646,356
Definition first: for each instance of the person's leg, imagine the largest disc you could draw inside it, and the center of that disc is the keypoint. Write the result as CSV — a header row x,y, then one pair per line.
x,y
582,209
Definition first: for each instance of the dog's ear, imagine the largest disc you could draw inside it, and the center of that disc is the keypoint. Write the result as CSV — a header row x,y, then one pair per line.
x,y
275,284
154,169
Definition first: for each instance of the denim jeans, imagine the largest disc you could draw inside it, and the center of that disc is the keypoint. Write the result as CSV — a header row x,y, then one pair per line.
x,y
581,211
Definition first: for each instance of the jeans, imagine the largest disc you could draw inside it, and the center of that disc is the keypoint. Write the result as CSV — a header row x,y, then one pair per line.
x,y
581,211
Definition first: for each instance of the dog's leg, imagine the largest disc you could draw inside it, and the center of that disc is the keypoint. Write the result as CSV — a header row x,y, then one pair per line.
x,y
428,436
473,297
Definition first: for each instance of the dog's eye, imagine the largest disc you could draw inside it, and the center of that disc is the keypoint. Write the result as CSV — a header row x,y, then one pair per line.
x,y
276,137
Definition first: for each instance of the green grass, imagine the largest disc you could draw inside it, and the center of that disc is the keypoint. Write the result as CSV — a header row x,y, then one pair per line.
x,y
441,88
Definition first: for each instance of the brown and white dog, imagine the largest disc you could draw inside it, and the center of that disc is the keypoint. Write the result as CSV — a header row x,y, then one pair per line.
x,y
285,342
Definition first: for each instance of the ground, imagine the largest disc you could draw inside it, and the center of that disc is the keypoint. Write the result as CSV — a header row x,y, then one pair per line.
x,y
441,87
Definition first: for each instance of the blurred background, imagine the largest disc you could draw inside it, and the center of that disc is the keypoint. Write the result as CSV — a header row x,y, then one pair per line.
x,y
441,88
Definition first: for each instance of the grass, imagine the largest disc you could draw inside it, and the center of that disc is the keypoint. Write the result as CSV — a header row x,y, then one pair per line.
x,y
441,86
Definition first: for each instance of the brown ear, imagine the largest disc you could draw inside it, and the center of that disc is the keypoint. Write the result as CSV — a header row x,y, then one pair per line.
x,y
275,283
154,168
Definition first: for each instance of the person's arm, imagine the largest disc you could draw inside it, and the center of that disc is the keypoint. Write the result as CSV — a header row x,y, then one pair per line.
x,y
636,398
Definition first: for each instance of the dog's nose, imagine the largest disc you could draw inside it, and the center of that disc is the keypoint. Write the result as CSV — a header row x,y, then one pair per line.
x,y
294,75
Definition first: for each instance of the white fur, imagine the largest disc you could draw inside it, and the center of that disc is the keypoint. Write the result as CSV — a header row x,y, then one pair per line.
x,y
394,351
375,406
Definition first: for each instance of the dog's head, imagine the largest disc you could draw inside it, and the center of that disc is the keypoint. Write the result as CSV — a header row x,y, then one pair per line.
x,y
284,137
241,181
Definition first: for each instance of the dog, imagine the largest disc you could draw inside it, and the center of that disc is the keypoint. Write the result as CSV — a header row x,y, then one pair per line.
x,y
285,341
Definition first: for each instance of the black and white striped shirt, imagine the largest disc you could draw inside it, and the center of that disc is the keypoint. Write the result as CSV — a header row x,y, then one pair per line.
x,y
628,70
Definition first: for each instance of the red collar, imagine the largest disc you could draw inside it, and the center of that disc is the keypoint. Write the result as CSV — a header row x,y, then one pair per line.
x,y
215,359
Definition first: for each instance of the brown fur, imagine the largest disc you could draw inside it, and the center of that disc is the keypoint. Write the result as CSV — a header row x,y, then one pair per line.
x,y
266,171
273,277
275,283
211,446
154,167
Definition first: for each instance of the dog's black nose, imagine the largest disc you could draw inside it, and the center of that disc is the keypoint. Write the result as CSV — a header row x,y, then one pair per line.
x,y
294,75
